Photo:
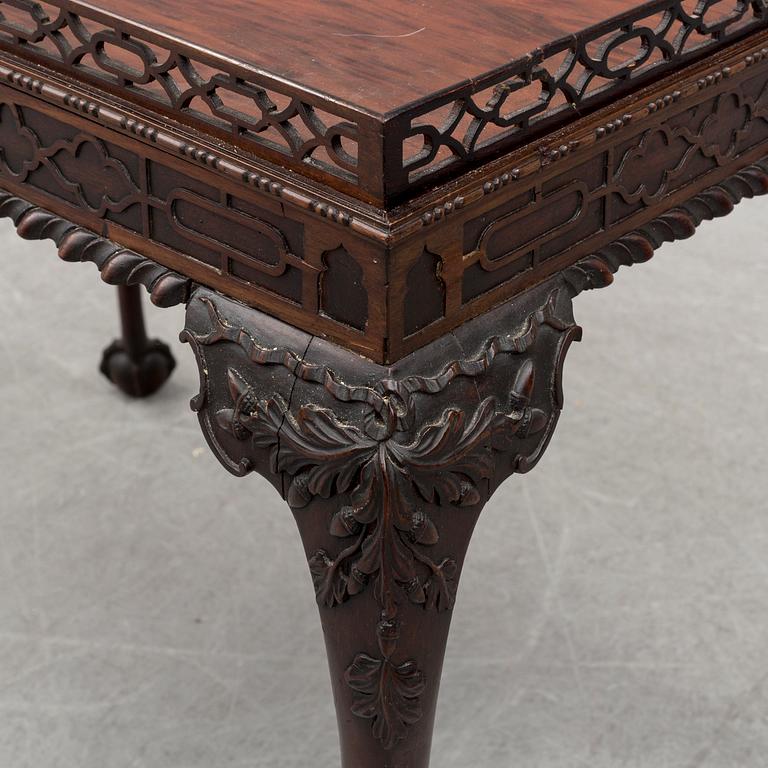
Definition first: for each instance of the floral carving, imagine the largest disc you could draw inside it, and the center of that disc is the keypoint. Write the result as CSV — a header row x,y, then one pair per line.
x,y
388,694
387,472
385,527
388,482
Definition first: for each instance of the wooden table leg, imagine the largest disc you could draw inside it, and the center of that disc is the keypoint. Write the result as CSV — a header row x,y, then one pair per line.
x,y
135,364
386,470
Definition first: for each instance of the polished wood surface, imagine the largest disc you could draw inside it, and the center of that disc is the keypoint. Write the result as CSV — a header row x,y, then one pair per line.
x,y
376,55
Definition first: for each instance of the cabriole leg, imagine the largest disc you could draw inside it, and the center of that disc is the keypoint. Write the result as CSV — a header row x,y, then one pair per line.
x,y
386,470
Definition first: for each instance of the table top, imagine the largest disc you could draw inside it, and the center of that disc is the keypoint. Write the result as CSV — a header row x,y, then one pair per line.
x,y
380,100
377,56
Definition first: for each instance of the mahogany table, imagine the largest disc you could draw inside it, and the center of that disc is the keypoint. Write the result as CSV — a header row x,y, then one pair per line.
x,y
378,215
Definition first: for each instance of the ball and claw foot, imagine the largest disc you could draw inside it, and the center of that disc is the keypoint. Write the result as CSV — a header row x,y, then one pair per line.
x,y
138,376
136,365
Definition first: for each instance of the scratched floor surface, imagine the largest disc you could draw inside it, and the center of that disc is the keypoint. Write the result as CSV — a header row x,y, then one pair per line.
x,y
157,613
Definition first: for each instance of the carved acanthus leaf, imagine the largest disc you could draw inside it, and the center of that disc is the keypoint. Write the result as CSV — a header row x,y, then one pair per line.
x,y
323,456
388,694
389,472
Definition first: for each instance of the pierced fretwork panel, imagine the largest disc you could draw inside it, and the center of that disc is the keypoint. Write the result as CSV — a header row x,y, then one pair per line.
x,y
559,80
246,106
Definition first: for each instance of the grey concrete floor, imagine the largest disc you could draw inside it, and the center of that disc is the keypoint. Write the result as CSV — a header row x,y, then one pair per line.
x,y
157,613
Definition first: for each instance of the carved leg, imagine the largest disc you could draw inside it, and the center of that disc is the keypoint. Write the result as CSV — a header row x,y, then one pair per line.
x,y
135,364
386,470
